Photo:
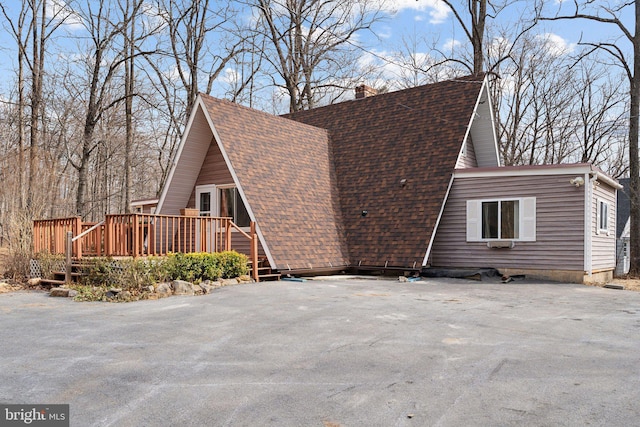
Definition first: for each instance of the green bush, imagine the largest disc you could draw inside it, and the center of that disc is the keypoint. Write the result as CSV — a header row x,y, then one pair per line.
x,y
136,275
233,264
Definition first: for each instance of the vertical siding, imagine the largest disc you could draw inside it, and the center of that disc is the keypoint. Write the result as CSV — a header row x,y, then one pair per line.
x,y
468,158
482,132
559,225
214,171
603,246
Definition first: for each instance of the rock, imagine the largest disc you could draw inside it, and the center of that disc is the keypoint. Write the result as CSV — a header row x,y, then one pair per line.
x,y
73,293
402,279
180,287
150,288
59,292
206,287
124,296
245,278
227,282
163,289
34,282
115,290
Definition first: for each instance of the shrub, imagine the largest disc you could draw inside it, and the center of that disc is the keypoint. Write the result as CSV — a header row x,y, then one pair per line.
x,y
233,264
50,263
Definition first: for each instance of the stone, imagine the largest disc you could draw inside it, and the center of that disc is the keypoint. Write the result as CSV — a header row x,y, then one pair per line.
x,y
150,288
206,287
59,292
73,293
245,278
34,282
227,282
163,289
180,287
124,296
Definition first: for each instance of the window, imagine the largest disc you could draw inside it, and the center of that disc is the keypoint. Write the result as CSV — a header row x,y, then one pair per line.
x,y
222,201
501,219
602,217
231,205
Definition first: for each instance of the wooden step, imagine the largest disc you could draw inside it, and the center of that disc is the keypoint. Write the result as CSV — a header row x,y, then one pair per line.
x,y
271,276
51,282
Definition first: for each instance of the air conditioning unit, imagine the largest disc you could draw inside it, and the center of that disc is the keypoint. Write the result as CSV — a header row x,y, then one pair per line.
x,y
501,244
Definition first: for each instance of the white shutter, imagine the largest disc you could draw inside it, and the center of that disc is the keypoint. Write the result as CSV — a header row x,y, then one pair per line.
x,y
528,215
474,220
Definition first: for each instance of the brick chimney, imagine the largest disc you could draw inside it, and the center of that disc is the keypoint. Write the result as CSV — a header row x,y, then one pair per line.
x,y
364,91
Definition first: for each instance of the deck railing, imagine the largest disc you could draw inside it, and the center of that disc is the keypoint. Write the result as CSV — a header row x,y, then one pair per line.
x,y
139,235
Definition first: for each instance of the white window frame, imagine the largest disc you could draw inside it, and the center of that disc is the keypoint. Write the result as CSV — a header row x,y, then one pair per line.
x,y
600,204
526,219
215,199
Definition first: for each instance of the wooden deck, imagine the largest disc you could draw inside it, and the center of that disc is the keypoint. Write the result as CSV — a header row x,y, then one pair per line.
x,y
139,235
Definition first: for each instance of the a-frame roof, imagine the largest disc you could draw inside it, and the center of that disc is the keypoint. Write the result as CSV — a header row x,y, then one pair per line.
x,y
285,174
361,182
394,156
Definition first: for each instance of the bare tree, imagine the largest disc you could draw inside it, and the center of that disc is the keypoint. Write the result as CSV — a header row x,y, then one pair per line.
x,y
310,44
616,15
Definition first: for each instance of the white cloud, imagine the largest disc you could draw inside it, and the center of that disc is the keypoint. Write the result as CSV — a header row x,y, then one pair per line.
x,y
60,11
451,44
436,9
555,44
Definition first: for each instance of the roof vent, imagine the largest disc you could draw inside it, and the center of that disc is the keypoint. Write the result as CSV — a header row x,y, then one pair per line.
x,y
364,91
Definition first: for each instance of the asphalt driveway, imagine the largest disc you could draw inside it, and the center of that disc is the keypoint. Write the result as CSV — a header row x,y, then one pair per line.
x,y
332,353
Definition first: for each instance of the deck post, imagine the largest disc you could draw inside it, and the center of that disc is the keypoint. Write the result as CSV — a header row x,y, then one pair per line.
x,y
254,252
68,251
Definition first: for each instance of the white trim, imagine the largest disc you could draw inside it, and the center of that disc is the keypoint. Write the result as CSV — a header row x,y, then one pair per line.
x,y
588,221
537,170
435,227
599,203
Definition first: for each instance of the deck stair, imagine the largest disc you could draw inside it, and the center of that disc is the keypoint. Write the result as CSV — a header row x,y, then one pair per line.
x,y
58,276
265,272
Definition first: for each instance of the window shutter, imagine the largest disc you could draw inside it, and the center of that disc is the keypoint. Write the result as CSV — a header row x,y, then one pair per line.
x,y
474,220
528,233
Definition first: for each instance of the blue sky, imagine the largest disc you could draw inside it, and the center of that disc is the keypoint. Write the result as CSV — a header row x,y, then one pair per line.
x,y
427,20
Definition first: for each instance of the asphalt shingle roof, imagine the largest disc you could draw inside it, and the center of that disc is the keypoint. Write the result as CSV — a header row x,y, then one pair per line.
x,y
286,172
378,142
361,182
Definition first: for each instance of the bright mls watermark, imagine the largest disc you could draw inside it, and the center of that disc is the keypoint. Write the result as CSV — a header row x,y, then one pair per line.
x,y
34,415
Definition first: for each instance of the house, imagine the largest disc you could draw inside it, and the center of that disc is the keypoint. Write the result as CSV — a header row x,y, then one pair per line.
x,y
148,205
403,181
623,228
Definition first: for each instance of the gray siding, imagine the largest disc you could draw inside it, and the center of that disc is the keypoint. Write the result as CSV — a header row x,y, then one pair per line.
x,y
468,157
559,225
214,171
188,165
603,245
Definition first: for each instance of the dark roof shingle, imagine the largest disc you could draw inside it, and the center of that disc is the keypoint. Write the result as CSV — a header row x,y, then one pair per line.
x,y
286,172
379,142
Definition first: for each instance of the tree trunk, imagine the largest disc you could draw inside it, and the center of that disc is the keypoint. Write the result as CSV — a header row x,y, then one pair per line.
x,y
634,167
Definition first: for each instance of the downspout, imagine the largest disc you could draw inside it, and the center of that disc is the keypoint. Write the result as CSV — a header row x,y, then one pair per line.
x,y
590,178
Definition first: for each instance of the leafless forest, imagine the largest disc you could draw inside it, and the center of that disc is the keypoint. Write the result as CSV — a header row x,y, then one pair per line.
x,y
97,92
